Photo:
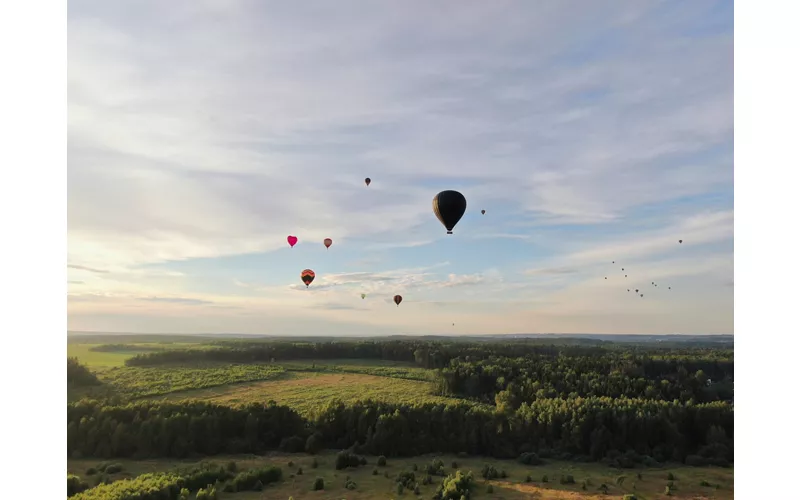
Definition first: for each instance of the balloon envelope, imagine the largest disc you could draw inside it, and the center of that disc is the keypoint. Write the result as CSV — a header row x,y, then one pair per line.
x,y
398,299
449,206
363,295
328,242
292,240
307,276
367,181
483,212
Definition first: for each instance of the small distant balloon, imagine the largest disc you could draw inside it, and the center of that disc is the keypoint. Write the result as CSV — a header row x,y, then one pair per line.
x,y
307,276
623,268
363,295
483,212
328,242
641,295
292,240
398,299
680,241
669,288
626,275
613,262
629,289
637,290
367,181
606,277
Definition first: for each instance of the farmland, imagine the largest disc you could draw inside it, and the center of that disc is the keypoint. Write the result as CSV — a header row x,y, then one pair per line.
x,y
580,408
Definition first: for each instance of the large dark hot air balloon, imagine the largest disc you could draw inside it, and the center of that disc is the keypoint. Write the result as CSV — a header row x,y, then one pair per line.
x,y
398,299
680,241
307,276
637,290
483,212
449,206
367,181
328,242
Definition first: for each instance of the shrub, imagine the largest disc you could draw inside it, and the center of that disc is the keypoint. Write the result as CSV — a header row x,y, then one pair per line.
x,y
630,496
489,489
229,488
386,474
671,476
503,474
299,471
382,461
544,478
184,494
292,444
91,471
259,486
620,480
75,485
400,488
528,478
435,468
231,467
603,488
416,489
113,468
374,472
704,483
314,464
568,479
350,485
290,464
454,465
530,458
415,467
407,479
314,443
427,480
455,486
489,472
345,459
583,485
668,491
246,480
319,484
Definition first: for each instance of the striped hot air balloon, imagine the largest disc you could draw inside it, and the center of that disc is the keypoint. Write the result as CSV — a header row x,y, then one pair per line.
x,y
307,276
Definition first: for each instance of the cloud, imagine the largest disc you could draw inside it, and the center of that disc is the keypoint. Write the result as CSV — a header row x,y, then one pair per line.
x,y
85,268
211,130
177,300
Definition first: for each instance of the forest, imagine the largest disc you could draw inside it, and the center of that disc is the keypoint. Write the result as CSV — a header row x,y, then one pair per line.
x,y
624,405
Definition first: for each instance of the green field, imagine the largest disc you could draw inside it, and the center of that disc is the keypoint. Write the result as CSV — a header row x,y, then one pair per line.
x,y
514,487
308,391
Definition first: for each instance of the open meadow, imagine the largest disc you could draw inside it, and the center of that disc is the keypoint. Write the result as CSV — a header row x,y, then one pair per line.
x,y
525,419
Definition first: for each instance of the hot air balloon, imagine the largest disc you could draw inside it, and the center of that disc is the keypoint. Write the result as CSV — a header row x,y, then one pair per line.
x,y
669,288
680,241
641,295
367,181
606,277
613,262
483,212
307,276
637,290
292,240
328,242
629,289
398,299
623,268
626,275
449,206
363,295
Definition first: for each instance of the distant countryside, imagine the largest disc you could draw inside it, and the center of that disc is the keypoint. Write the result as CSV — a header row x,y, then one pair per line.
x,y
503,417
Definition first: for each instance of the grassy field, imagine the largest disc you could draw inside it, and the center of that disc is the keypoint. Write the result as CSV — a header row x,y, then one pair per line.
x,y
307,391
687,479
381,368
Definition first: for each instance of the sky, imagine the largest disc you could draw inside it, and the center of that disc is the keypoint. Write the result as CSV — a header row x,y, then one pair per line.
x,y
201,133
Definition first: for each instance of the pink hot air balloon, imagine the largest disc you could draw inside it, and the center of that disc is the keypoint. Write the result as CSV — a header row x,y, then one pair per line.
x,y
328,242
292,240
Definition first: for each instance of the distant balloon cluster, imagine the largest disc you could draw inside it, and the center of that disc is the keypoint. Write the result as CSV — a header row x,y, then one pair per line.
x,y
448,206
652,283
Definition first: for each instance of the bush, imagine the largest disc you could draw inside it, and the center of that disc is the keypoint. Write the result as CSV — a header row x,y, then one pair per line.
x,y
91,471
407,479
671,476
435,468
184,494
246,480
201,495
293,444
530,458
382,461
489,472
630,496
583,485
400,488
314,464
345,459
299,471
568,479
374,472
415,468
528,479
314,443
229,488
231,467
319,484
416,489
668,491
454,465
259,486
455,486
545,478
386,474
603,488
503,474
489,489
113,468
704,483
290,464
639,476
350,485
75,485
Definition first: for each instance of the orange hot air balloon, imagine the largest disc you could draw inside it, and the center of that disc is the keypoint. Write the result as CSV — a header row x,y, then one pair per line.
x,y
307,276
328,242
367,181
398,299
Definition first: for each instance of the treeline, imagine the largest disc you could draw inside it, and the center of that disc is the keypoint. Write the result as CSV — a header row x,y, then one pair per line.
x,y
427,354
78,375
579,428
511,382
124,348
